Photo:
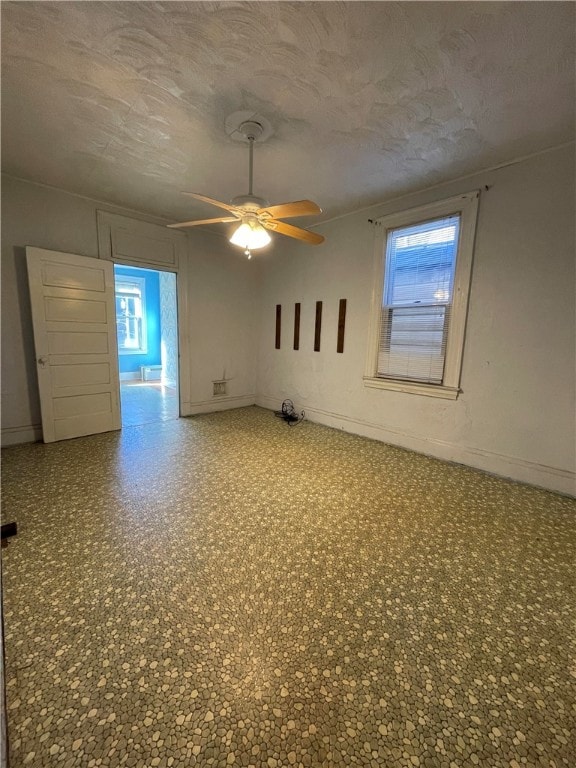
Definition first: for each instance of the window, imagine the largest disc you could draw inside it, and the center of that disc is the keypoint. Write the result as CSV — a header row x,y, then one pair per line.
x,y
131,315
423,266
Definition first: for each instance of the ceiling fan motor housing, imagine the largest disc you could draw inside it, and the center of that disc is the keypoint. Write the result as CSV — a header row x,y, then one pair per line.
x,y
249,202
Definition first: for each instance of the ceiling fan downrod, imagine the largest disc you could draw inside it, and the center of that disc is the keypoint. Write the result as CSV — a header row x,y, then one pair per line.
x,y
252,131
251,168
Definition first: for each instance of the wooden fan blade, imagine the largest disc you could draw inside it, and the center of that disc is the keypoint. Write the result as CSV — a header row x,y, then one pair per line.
x,y
202,221
211,200
287,210
291,231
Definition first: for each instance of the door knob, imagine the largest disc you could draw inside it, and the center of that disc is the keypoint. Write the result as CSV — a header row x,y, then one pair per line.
x,y
42,361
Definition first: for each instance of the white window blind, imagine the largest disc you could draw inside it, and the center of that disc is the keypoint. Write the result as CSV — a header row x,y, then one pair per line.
x,y
131,315
417,300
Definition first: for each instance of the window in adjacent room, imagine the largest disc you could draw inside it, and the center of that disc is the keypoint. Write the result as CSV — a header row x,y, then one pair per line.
x,y
423,267
131,315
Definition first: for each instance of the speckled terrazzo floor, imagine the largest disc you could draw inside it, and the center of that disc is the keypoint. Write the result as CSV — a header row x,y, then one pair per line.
x,y
228,591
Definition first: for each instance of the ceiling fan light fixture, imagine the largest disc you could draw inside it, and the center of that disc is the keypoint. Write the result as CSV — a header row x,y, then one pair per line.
x,y
250,235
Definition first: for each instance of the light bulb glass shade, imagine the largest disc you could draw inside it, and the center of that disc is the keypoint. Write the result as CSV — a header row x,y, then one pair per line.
x,y
250,235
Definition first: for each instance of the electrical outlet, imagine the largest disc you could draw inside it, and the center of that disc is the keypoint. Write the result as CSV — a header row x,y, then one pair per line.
x,y
219,388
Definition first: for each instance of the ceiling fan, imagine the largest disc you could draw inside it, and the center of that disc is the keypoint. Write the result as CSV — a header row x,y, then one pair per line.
x,y
254,213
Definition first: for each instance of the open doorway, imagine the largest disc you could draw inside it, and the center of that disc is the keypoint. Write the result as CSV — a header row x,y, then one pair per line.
x,y
147,330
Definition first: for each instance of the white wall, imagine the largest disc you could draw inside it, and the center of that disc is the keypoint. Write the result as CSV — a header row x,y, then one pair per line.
x,y
516,413
222,303
224,312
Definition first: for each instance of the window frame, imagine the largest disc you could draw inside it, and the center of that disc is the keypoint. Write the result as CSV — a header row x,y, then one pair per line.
x,y
467,206
140,284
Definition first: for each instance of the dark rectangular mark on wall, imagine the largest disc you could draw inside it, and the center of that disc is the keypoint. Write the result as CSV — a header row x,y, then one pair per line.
x,y
278,324
318,326
341,325
297,325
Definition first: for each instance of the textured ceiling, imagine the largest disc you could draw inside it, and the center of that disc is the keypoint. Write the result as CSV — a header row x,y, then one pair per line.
x,y
127,101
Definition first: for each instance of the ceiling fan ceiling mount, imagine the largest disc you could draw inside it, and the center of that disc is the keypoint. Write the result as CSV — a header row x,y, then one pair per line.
x,y
239,124
251,130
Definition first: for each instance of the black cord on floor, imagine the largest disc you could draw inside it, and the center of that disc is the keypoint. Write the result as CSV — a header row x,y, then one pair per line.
x,y
289,414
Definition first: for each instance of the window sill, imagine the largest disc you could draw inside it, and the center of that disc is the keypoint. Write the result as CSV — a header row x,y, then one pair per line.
x,y
412,387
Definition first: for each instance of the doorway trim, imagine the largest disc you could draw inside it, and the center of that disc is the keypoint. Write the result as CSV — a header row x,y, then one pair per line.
x,y
137,243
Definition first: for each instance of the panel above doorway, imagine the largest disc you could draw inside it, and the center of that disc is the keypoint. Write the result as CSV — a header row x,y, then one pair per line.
x,y
131,241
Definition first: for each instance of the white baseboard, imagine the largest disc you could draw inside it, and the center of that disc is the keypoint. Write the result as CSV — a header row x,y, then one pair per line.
x,y
131,376
17,435
551,478
217,404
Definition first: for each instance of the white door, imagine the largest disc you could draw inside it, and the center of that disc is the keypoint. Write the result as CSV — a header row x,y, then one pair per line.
x,y
74,319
